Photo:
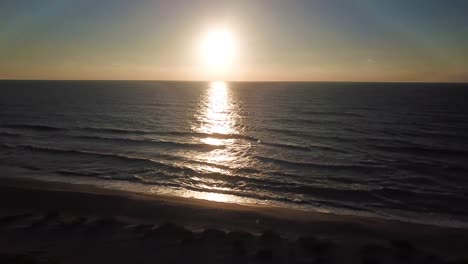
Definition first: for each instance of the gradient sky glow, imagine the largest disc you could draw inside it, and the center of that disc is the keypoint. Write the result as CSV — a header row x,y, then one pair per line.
x,y
316,40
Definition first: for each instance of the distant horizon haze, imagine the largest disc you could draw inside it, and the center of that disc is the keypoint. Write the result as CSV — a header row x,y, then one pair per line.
x,y
236,81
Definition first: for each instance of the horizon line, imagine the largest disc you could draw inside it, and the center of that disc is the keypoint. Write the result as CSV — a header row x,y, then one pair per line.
x,y
253,81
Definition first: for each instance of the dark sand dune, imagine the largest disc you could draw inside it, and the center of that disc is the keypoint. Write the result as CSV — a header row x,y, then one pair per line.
x,y
59,223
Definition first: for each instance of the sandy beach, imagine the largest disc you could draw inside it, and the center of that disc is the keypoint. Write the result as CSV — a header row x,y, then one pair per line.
x,y
47,222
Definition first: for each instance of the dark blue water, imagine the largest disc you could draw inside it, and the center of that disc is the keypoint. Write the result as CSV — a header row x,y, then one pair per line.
x,y
392,150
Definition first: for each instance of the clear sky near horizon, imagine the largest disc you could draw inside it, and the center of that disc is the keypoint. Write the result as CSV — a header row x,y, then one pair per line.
x,y
316,40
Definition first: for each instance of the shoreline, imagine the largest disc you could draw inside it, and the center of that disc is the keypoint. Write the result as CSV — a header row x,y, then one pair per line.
x,y
38,186
131,188
27,183
31,196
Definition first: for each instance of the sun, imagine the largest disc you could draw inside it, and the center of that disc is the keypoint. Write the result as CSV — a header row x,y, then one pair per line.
x,y
217,48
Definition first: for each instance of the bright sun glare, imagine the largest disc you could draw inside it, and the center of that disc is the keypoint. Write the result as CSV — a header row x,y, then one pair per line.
x,y
217,48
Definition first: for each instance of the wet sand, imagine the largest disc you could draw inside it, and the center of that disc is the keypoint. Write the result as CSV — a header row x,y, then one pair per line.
x,y
47,222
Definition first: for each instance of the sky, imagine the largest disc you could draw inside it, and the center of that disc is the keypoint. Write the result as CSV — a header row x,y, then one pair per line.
x,y
309,40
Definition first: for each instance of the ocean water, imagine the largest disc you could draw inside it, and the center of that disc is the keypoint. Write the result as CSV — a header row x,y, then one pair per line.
x,y
394,150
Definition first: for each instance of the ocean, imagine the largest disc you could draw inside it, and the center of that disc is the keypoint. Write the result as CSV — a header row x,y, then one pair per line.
x,y
391,150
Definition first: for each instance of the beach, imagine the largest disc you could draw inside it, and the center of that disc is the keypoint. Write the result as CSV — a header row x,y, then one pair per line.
x,y
53,222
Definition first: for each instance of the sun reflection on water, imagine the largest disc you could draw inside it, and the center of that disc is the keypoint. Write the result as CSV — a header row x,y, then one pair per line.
x,y
216,118
216,197
209,196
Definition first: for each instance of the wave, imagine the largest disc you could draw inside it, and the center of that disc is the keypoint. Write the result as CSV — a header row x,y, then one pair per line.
x,y
142,165
290,193
8,134
34,127
420,180
300,121
286,196
113,130
308,135
77,173
30,167
332,113
424,201
452,172
214,135
264,197
442,134
334,166
126,159
72,151
7,146
422,150
130,131
196,146
170,133
303,148
286,146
